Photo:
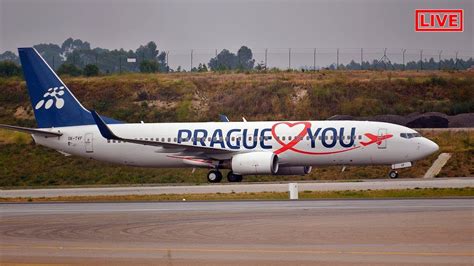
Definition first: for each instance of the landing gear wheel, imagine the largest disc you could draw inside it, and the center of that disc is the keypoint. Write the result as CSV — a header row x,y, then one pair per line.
x,y
231,177
393,174
214,176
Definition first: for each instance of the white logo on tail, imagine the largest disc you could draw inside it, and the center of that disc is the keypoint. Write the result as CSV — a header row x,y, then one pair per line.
x,y
52,94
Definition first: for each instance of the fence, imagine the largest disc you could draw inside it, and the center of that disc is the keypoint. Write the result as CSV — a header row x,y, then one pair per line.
x,y
286,58
334,58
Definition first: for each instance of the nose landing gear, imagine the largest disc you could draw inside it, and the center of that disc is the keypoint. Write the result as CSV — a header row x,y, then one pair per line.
x,y
393,174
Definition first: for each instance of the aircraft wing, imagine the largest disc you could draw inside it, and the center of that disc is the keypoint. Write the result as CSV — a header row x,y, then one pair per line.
x,y
223,118
34,131
107,133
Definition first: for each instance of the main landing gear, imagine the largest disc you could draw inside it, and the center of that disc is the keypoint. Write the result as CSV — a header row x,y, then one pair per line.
x,y
393,174
215,176
231,177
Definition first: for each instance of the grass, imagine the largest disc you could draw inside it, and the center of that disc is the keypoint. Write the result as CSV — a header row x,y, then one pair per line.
x,y
257,96
28,165
308,195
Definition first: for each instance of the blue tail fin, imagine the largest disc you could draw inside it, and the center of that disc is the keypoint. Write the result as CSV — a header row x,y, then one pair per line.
x,y
53,103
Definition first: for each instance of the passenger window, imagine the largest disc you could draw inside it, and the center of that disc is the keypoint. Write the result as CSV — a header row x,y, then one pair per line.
x,y
289,137
360,136
169,139
283,138
174,139
233,138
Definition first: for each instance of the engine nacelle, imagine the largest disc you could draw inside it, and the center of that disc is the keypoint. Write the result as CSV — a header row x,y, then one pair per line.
x,y
294,170
255,163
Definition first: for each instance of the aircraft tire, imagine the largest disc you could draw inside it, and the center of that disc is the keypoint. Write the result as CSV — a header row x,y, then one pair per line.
x,y
231,177
214,176
393,174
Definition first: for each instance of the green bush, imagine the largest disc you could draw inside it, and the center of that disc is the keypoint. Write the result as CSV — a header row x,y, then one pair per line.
x,y
9,69
91,70
148,66
69,69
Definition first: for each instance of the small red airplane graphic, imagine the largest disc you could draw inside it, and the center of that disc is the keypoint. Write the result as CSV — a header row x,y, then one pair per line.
x,y
375,139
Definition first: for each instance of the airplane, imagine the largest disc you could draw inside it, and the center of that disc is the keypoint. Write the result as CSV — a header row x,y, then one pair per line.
x,y
244,148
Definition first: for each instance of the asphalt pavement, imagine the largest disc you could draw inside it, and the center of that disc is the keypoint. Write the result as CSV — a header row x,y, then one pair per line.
x,y
331,232
411,183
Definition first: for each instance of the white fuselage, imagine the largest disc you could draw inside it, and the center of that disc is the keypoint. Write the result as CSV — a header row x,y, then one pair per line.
x,y
309,143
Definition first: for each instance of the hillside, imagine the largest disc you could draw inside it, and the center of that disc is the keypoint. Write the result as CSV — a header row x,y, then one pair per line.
x,y
257,96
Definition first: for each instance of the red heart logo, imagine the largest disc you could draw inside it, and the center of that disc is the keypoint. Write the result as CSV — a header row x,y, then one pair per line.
x,y
293,142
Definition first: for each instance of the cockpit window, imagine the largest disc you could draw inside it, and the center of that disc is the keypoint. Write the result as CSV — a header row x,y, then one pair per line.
x,y
410,135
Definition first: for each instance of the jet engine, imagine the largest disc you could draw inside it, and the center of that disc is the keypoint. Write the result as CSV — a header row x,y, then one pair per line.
x,y
255,163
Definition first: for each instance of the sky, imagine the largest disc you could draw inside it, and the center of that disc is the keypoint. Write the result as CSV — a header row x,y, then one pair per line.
x,y
216,24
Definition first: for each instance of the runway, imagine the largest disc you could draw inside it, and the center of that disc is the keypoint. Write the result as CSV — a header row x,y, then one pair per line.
x,y
332,232
452,182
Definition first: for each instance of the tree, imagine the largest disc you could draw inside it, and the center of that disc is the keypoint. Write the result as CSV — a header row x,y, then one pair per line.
x,y
245,58
91,70
69,69
226,60
51,53
148,66
9,56
9,69
163,66
71,45
147,52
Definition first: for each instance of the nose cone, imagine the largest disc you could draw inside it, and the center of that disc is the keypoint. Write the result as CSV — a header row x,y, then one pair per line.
x,y
428,147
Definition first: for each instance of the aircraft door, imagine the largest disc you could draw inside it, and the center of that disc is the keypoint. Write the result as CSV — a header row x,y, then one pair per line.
x,y
88,141
383,143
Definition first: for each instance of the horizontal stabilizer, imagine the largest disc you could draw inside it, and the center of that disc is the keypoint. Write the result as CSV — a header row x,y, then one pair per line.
x,y
34,131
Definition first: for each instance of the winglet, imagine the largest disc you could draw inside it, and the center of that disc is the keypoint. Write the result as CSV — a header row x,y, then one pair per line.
x,y
103,128
223,118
